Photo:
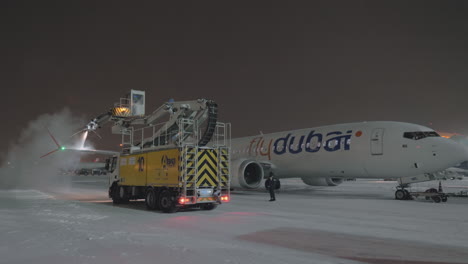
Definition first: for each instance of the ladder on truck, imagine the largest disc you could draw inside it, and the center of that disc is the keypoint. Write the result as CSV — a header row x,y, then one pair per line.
x,y
222,143
188,138
224,170
190,154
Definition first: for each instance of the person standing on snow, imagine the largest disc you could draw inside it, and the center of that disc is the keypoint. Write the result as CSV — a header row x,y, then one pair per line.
x,y
271,187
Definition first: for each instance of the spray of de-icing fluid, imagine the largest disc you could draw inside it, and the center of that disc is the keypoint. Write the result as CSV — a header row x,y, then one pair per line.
x,y
23,169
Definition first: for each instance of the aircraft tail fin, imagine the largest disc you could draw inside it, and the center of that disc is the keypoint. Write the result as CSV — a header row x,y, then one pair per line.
x,y
56,143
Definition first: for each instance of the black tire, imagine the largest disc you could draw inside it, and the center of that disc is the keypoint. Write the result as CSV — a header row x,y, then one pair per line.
x,y
118,194
166,202
123,195
210,206
151,200
444,199
407,195
400,195
436,199
114,194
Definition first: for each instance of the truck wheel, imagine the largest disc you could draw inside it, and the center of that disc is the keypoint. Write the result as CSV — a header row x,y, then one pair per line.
x,y
436,199
114,194
167,202
151,199
444,199
119,195
123,194
209,206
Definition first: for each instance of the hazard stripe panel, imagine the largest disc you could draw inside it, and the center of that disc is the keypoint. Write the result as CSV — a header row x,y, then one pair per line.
x,y
224,167
120,111
209,163
207,168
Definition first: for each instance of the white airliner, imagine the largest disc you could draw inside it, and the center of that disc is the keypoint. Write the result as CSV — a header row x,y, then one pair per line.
x,y
324,156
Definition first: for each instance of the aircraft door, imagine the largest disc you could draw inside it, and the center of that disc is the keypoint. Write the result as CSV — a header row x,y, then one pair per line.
x,y
377,141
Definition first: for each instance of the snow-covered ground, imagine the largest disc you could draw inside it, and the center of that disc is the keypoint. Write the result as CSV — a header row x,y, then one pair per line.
x,y
356,222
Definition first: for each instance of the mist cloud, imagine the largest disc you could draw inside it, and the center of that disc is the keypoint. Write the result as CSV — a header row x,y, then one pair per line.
x,y
22,166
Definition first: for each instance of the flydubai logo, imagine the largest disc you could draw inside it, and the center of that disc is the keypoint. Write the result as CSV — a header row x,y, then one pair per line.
x,y
313,142
167,162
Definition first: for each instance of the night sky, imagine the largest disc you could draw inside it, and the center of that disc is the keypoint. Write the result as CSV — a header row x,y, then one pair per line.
x,y
270,67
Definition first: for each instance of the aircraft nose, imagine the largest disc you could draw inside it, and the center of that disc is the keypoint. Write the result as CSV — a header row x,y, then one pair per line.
x,y
455,152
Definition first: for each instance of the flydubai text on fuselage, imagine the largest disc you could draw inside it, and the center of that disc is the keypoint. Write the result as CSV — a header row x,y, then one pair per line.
x,y
326,155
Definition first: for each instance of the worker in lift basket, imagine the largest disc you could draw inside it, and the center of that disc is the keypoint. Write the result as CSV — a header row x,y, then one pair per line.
x,y
271,186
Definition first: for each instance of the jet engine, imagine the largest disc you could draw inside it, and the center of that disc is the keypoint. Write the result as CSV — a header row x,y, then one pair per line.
x,y
322,181
247,174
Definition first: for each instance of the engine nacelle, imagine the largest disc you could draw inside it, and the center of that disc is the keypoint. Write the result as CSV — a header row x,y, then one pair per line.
x,y
322,181
247,174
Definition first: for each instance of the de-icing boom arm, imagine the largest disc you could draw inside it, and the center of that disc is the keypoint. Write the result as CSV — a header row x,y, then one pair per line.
x,y
98,121
203,112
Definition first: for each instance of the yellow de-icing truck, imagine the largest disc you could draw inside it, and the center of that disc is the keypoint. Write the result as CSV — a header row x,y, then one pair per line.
x,y
172,178
180,163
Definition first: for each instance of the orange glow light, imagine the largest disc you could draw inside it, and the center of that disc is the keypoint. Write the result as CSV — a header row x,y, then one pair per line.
x,y
448,134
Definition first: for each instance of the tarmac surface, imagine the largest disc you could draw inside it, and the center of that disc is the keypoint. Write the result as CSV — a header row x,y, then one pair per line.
x,y
356,222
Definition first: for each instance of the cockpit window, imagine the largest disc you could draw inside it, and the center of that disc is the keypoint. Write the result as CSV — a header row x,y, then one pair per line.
x,y
420,135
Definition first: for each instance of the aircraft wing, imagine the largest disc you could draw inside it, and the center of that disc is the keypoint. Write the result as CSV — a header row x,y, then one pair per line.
x,y
95,151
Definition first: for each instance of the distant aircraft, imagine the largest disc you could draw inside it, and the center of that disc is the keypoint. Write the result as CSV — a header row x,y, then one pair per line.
x,y
325,156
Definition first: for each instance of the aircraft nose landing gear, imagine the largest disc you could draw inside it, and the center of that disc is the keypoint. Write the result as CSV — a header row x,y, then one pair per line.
x,y
403,194
430,194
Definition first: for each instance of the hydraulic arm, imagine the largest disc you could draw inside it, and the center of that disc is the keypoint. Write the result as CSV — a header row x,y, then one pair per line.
x,y
163,125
